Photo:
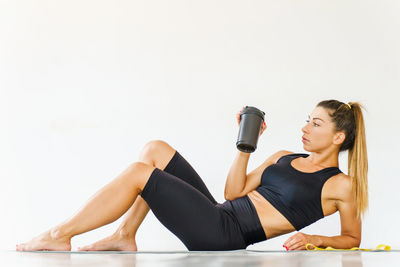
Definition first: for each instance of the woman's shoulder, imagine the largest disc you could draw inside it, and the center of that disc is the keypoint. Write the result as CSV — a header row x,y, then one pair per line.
x,y
342,178
285,153
280,154
341,186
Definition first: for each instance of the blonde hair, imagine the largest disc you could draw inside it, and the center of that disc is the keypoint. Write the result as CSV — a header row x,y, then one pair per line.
x,y
351,121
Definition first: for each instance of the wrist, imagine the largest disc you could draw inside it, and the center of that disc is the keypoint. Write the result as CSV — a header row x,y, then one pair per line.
x,y
316,240
243,154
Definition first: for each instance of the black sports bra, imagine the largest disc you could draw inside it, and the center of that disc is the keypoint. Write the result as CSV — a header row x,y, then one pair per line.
x,y
295,194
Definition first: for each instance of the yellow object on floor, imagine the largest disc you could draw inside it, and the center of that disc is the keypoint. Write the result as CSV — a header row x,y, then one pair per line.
x,y
378,248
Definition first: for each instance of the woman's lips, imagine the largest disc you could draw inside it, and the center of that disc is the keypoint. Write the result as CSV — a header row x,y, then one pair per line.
x,y
304,140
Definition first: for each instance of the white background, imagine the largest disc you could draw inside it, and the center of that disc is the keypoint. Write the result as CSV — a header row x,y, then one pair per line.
x,y
85,84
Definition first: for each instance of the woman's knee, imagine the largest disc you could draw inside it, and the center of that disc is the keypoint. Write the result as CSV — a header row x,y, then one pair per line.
x,y
156,145
157,153
139,166
140,173
153,146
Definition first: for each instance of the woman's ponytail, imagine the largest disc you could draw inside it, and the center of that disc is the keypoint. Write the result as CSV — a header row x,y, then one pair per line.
x,y
349,118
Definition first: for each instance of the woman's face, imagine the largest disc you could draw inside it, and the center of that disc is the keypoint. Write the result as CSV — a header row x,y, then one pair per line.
x,y
319,131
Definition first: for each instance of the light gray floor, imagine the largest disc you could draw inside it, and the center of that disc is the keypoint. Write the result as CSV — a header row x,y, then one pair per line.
x,y
191,259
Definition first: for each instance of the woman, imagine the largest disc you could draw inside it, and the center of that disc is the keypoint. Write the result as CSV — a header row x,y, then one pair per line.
x,y
285,193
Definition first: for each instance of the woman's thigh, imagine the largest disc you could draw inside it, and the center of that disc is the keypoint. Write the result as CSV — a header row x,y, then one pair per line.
x,y
198,222
181,168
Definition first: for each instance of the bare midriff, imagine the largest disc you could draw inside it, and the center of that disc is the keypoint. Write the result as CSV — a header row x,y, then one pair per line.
x,y
272,221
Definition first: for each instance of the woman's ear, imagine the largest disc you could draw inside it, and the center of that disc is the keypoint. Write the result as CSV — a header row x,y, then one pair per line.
x,y
339,138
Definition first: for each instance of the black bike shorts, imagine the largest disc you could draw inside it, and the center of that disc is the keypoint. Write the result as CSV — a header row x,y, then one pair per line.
x,y
181,201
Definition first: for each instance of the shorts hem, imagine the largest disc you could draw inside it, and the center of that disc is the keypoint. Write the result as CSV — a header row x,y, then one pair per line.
x,y
149,184
171,164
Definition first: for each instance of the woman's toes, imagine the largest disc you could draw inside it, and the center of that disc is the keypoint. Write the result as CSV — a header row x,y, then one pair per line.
x,y
20,247
85,248
45,242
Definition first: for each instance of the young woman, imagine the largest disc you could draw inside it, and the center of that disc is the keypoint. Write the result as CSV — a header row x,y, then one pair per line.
x,y
287,192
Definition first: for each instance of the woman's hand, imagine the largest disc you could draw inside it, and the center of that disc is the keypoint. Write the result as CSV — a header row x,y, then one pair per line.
x,y
299,241
263,127
238,115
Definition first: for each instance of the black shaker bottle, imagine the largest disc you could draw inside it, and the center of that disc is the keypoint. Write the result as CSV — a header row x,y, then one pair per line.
x,y
251,121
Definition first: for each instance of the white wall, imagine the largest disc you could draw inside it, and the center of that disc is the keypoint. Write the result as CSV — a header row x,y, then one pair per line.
x,y
85,84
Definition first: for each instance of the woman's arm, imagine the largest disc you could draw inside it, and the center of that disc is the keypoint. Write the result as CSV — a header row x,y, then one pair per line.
x,y
350,235
237,179
340,241
299,240
350,230
237,176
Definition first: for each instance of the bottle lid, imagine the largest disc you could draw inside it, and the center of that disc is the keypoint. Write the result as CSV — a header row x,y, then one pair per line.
x,y
253,110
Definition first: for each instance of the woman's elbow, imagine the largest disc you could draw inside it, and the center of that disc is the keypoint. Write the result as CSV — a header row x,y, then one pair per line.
x,y
228,197
231,197
357,243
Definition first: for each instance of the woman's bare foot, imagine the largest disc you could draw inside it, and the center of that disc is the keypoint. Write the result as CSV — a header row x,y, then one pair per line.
x,y
116,241
49,240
